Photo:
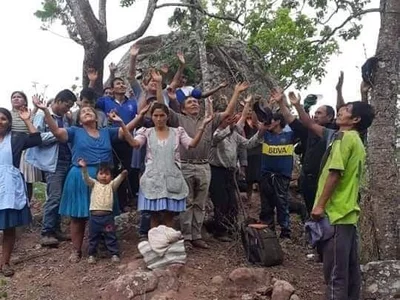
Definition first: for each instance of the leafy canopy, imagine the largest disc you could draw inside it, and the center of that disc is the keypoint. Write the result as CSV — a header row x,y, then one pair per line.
x,y
295,38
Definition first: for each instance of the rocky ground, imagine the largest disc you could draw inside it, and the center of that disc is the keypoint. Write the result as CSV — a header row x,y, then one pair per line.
x,y
219,273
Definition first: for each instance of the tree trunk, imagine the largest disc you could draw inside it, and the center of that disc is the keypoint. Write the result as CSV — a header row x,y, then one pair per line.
x,y
197,23
94,56
380,220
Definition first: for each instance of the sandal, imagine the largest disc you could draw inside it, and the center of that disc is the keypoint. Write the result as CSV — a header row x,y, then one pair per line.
x,y
7,270
75,257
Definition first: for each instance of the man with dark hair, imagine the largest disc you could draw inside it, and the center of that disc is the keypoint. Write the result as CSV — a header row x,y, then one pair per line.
x,y
126,109
313,148
337,195
54,159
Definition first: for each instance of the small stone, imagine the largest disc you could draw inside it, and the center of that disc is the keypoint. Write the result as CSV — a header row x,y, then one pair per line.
x,y
294,297
217,280
247,297
282,290
247,276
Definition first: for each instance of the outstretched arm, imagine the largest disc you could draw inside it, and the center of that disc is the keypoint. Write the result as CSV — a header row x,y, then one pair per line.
x,y
304,117
339,91
134,51
239,88
61,134
214,90
245,111
178,75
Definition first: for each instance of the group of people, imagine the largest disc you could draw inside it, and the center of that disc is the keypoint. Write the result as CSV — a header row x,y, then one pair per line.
x,y
155,145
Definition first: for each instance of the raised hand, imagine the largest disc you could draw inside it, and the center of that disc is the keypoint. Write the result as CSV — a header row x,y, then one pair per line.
x,y
92,74
82,163
124,173
241,87
223,84
25,113
134,51
144,110
339,84
164,68
248,99
156,76
113,68
295,100
208,119
181,57
38,102
114,117
276,96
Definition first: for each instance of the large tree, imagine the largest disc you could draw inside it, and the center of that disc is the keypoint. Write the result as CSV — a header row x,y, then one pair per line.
x,y
90,30
381,221
294,37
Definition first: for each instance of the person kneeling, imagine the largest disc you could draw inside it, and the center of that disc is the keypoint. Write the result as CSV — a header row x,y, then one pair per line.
x,y
101,219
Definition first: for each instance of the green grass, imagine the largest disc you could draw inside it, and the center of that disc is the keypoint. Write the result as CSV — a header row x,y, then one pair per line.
x,y
39,191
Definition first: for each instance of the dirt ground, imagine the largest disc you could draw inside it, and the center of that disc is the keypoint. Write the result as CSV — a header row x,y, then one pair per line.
x,y
43,273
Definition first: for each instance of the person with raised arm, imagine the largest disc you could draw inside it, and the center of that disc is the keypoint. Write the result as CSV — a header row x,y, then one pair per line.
x,y
54,159
337,196
31,174
195,163
14,203
313,148
163,190
94,145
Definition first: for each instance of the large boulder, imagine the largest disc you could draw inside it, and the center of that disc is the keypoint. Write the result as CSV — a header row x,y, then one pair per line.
x,y
381,280
231,60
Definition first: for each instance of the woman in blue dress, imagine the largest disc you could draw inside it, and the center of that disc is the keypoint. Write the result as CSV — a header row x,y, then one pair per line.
x,y
14,204
94,146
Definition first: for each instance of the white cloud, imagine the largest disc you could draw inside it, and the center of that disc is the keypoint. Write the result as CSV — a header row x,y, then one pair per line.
x,y
32,55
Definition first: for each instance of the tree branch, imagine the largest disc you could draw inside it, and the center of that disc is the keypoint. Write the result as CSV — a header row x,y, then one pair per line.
x,y
151,7
347,20
85,20
102,12
203,11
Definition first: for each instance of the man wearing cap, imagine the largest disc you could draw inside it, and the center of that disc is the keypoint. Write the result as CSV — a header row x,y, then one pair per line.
x,y
195,167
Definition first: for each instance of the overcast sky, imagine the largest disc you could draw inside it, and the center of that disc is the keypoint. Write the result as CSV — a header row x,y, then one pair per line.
x,y
31,55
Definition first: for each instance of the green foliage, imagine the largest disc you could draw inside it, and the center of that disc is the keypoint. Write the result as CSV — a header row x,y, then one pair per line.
x,y
295,38
127,3
51,10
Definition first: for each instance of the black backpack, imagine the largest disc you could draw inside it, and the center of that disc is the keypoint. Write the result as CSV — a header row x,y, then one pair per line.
x,y
368,70
261,245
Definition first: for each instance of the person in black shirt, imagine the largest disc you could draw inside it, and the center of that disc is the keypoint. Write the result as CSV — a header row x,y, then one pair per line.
x,y
313,149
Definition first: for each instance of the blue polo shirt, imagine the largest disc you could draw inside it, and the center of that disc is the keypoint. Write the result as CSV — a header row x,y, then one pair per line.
x,y
126,110
277,153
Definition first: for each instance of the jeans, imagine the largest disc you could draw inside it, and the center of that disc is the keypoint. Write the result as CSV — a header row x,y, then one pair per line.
x,y
309,184
54,188
102,227
274,189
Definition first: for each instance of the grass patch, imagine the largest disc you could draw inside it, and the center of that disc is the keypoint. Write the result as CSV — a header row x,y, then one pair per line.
x,y
39,191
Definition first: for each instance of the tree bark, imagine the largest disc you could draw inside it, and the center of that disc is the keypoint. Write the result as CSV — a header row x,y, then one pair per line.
x,y
380,221
197,23
94,55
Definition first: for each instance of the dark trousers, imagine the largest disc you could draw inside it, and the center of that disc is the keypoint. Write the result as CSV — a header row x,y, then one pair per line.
x,y
223,197
145,222
309,184
274,189
341,264
102,227
123,156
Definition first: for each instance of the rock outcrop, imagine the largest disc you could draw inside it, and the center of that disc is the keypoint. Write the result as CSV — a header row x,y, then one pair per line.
x,y
232,60
381,280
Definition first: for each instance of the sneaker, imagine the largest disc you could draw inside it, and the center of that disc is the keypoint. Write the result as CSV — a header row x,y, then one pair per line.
x,y
188,245
200,244
115,259
91,259
49,241
75,257
7,270
143,237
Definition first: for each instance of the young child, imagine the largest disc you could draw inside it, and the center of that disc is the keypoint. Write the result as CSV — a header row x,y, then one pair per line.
x,y
101,220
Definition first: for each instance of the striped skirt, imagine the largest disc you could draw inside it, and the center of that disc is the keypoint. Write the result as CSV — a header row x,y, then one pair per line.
x,y
162,204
